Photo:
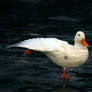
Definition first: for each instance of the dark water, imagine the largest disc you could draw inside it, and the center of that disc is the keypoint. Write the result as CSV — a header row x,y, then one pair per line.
x,y
41,18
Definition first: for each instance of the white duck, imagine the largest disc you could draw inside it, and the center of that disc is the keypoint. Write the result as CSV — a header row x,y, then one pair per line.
x,y
60,52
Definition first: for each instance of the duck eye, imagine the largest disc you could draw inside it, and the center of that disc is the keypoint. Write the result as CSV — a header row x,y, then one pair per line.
x,y
78,34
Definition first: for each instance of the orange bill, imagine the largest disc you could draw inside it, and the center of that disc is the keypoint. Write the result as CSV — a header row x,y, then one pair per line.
x,y
27,52
83,41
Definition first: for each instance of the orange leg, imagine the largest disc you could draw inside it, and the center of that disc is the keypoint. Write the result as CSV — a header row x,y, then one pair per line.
x,y
64,76
27,52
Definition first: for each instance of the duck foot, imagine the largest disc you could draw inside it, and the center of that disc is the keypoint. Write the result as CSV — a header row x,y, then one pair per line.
x,y
27,52
64,76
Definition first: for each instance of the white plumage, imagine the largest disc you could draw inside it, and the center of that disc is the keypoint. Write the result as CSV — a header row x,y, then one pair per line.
x,y
60,52
42,44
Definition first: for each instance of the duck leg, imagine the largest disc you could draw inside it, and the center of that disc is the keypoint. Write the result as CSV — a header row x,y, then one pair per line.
x,y
64,76
27,52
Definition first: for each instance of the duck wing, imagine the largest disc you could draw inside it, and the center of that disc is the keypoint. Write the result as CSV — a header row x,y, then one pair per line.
x,y
42,44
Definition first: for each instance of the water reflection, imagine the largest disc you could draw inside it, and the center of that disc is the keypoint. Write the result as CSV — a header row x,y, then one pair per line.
x,y
66,89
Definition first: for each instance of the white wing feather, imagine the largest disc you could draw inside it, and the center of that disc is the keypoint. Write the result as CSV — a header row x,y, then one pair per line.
x,y
42,44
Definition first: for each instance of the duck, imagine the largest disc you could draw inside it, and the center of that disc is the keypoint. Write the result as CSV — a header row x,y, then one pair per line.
x,y
59,51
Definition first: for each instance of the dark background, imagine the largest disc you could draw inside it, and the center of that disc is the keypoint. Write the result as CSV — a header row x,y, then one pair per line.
x,y
24,19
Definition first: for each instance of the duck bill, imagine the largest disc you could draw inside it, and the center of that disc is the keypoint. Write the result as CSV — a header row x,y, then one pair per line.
x,y
83,41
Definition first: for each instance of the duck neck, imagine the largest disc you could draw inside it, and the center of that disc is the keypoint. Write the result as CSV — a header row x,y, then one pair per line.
x,y
79,45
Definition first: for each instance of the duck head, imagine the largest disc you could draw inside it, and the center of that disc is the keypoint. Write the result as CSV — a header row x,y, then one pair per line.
x,y
80,39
